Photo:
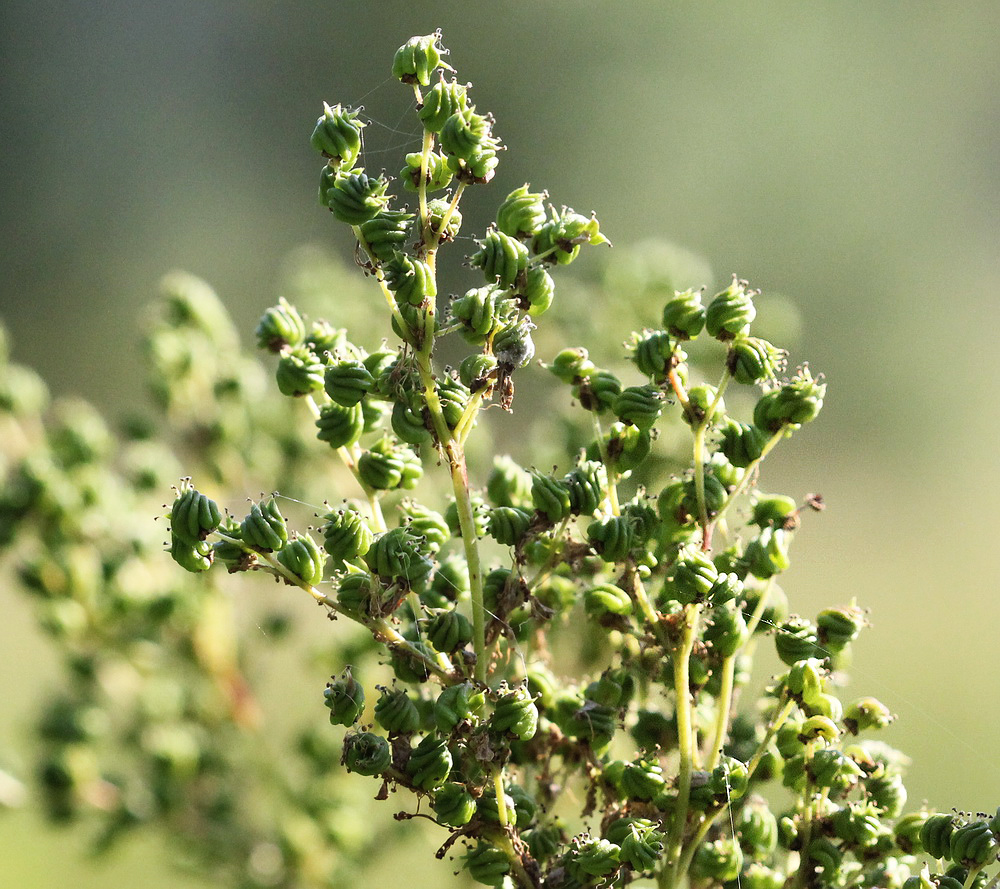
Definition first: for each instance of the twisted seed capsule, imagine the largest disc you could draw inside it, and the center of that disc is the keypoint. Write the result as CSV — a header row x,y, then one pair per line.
x,y
797,640
353,196
357,593
453,805
592,859
303,558
935,835
751,359
430,763
502,258
386,233
550,496
340,426
606,600
639,406
426,523
480,312
440,102
264,527
486,864
508,484
280,327
396,712
652,352
408,420
456,704
611,538
559,239
347,382
464,134
436,212
684,315
346,699
513,345
642,846
477,371
508,524
798,401
437,173
741,443
767,553
693,578
337,135
410,280
449,631
418,58
515,712
387,466
730,312
398,554
366,753
587,483
522,213
299,372
192,557
536,292
193,516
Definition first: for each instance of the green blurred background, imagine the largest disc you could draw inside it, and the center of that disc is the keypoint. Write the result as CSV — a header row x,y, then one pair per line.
x,y
841,153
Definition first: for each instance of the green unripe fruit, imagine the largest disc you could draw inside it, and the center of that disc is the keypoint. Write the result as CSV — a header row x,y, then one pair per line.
x,y
410,280
399,555
857,824
456,704
865,714
831,768
449,631
303,558
481,311
440,102
775,510
437,173
386,466
767,554
508,484
827,855
536,292
347,382
598,391
641,846
935,835
652,353
232,555
639,406
430,763
357,593
502,258
550,496
520,805
386,233
652,729
337,135
572,365
559,239
426,523
465,133
477,371
726,588
751,360
323,337
757,876
593,859
299,372
684,315
515,712
454,398
719,861
700,400
727,632
280,327
192,557
642,780
396,712
627,446
587,484
606,601
487,864
264,528
741,443
907,829
513,345
408,667
407,420
973,845
797,640
366,753
453,805
193,516
346,699
436,212
757,829
340,426
693,577
838,627
508,524
611,538
522,213
796,402
730,312
353,196
418,58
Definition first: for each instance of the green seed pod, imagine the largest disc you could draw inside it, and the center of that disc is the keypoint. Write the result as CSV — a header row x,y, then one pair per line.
x,y
399,555
819,727
572,365
550,496
507,525
751,359
642,780
726,588
193,516
465,133
508,484
192,557
440,102
857,824
323,337
719,861
427,523
598,391
827,855
606,601
429,764
437,174
831,768
796,402
418,58
838,627
358,592
453,805
408,420
340,426
727,633
502,258
865,714
337,135
806,680
477,371
449,631
522,213
797,640
611,538
730,312
347,382
303,558
652,352
396,712
264,528
639,406
480,311
587,484
741,444
521,808
767,553
684,315
513,345
346,699
627,446
757,829
935,835
386,233
515,712
700,399
232,555
410,280
486,864
386,466
353,196
559,239
436,212
772,510
973,845
536,292
366,753
299,372
642,845
906,831
280,327
454,397
456,704
592,859
693,578
409,668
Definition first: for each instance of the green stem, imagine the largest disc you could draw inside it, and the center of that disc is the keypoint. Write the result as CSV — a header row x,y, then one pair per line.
x,y
723,706
612,492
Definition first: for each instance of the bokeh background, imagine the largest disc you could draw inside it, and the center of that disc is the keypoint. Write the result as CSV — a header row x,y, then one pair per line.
x,y
843,154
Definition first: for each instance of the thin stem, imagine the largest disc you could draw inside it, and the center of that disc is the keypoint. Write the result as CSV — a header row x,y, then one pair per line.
x,y
435,238
422,185
498,789
612,492
723,706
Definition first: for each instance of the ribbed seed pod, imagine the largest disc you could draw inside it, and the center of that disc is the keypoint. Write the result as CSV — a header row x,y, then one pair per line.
x,y
508,484
303,558
436,212
718,861
513,345
767,553
550,496
741,443
477,371
454,397
515,712
642,846
345,698
832,768
440,102
606,600
264,528
652,352
935,835
481,311
437,174
587,484
449,631
426,523
536,292
340,426
192,557
386,466
353,196
522,213
797,640
906,831
465,133
410,280
396,712
398,555
592,859
418,58
559,239
839,627
700,400
694,575
751,359
456,704
857,824
758,829
639,406
323,337
347,382
684,315
430,763
481,164
193,516
232,555
357,593
611,538
598,390
453,805
627,446
386,233
280,327
572,365
973,845
366,753
796,402
299,372
337,135
865,714
486,864
408,420
502,258
508,524
727,632
730,312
